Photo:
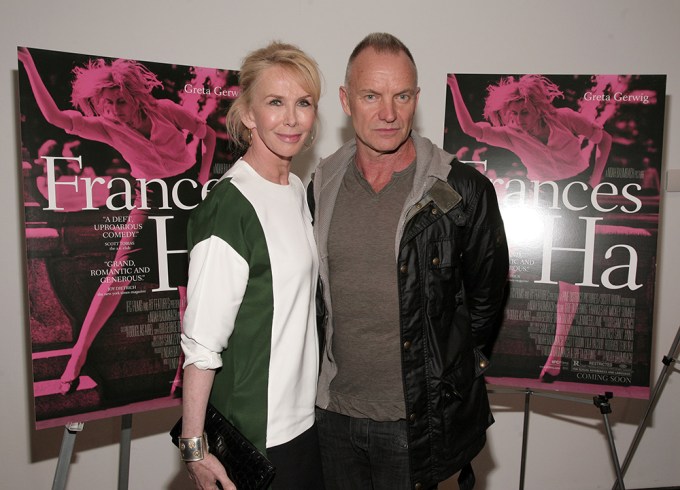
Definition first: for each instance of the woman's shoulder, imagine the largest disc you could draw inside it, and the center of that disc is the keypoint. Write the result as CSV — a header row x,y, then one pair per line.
x,y
575,121
228,197
173,110
221,194
166,105
223,208
565,112
568,114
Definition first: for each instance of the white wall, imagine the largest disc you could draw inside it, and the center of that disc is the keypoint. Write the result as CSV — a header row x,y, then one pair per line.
x,y
567,446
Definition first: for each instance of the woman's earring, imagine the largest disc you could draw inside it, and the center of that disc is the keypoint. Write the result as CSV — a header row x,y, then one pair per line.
x,y
250,137
310,141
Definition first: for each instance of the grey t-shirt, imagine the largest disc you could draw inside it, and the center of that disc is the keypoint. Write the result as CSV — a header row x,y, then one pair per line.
x,y
363,288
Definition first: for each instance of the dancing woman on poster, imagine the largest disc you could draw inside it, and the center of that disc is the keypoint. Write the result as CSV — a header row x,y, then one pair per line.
x,y
116,107
548,141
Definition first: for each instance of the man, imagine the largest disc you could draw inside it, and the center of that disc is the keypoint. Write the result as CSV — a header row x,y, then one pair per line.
x,y
413,267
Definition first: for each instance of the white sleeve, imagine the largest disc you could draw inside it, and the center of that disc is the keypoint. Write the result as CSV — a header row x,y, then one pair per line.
x,y
218,277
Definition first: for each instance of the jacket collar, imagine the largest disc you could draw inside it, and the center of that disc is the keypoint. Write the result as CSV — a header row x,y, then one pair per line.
x,y
432,163
430,181
429,185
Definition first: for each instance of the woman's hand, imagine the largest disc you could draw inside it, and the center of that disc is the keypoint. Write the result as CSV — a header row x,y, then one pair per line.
x,y
24,56
602,155
209,141
196,390
47,106
468,126
452,82
206,473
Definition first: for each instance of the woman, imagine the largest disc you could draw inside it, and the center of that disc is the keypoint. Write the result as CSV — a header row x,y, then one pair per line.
x,y
249,338
117,108
548,141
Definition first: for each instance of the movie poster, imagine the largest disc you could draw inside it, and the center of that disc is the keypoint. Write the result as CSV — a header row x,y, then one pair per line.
x,y
576,163
115,155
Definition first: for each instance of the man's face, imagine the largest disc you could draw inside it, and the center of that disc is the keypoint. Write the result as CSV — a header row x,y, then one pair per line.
x,y
381,98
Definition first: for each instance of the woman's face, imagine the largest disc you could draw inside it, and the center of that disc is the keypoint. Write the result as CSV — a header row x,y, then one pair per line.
x,y
281,114
522,116
113,104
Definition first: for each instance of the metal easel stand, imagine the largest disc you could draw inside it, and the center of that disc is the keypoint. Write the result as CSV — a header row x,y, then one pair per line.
x,y
66,452
124,452
668,361
600,401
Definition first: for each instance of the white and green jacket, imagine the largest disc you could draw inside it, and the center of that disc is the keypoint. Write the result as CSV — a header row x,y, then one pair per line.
x,y
250,314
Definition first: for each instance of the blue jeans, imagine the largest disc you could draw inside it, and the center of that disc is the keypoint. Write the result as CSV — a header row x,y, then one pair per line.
x,y
362,454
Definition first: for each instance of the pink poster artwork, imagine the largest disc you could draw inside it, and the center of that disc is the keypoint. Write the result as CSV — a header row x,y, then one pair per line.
x,y
115,155
575,161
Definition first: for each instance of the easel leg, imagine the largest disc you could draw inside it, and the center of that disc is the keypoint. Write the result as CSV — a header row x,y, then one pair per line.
x,y
65,454
658,386
525,439
124,454
602,402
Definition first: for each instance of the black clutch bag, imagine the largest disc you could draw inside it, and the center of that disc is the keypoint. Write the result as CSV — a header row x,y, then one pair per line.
x,y
247,467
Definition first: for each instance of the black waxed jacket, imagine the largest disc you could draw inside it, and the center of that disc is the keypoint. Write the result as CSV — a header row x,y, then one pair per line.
x,y
451,266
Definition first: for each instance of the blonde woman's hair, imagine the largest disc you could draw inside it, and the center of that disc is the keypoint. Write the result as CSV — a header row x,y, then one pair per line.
x,y
536,90
134,80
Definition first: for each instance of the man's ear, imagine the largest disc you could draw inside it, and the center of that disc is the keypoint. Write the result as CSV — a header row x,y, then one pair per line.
x,y
344,100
